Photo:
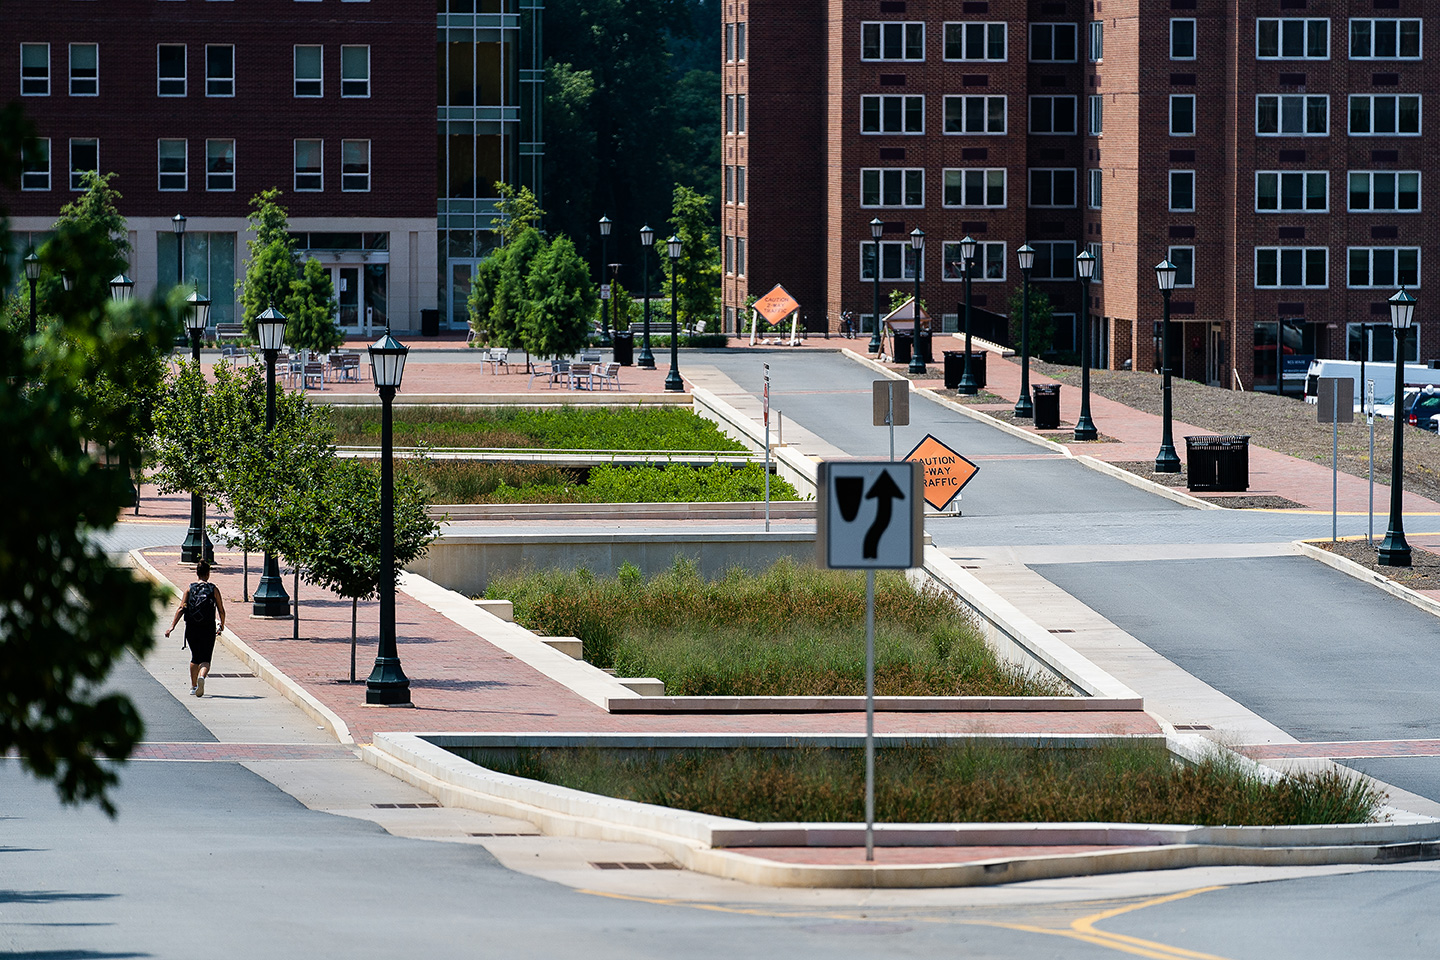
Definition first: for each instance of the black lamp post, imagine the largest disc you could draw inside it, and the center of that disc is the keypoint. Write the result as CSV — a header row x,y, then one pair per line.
x,y
1084,426
197,542
122,289
270,598
877,227
967,385
917,356
1394,551
1024,408
387,684
1167,460
672,379
32,273
604,258
647,240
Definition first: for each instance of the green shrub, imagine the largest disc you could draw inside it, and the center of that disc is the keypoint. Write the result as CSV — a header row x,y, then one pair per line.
x,y
474,481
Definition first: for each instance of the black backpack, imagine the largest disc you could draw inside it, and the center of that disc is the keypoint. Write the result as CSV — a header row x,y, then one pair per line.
x,y
200,605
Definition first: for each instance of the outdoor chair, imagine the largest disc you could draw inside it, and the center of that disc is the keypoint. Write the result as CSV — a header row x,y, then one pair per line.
x,y
497,357
581,376
559,370
590,356
608,373
313,371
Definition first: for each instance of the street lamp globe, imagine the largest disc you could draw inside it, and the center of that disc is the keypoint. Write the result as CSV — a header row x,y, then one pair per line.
x,y
1165,272
967,250
122,289
1402,310
605,226
177,223
1026,254
198,316
674,243
917,239
32,268
67,280
647,236
270,328
1085,265
387,361
877,227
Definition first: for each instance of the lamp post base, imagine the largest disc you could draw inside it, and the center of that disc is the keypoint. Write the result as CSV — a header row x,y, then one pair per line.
x,y
968,387
387,684
1024,408
872,347
1085,429
1394,551
270,598
673,381
1167,460
646,360
197,545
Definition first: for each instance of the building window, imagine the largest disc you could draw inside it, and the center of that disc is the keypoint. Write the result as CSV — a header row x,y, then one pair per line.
x,y
1094,194
892,188
84,158
309,82
740,185
1284,190
740,41
1052,188
84,70
209,266
1097,41
897,261
35,164
1182,190
729,113
172,165
219,70
740,113
1384,267
989,261
1182,115
1376,342
1377,190
1384,39
1291,115
1377,115
891,113
975,188
355,71
1182,38
1292,267
1184,260
1052,115
892,41
975,41
729,184
220,165
729,255
975,114
729,43
1095,249
309,165
739,256
1053,42
1097,115
170,69
35,69
1054,260
355,165
1292,38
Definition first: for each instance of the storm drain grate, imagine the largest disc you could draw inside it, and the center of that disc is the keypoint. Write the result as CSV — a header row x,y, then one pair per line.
x,y
230,676
1062,630
404,806
1193,726
633,865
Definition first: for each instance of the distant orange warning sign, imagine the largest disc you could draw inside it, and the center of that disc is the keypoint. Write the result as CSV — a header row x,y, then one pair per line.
x,y
776,305
946,472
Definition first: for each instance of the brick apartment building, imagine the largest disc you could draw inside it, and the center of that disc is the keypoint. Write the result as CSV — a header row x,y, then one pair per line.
x,y
1274,150
198,105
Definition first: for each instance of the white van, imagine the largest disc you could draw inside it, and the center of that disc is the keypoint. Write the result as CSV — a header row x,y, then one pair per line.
x,y
1416,375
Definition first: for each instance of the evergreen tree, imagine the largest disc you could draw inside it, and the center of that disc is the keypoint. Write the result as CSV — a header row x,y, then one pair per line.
x,y
271,267
562,301
692,220
310,310
1042,319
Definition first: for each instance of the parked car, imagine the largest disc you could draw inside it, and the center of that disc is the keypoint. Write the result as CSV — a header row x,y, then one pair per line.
x,y
1422,409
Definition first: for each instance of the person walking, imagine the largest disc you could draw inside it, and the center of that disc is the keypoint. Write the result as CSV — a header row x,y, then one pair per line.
x,y
199,606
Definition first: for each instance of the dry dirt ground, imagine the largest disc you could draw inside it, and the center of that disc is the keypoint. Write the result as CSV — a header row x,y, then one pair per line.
x,y
1422,574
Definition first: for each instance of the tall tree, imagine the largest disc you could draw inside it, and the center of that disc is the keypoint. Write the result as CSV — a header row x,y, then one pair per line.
x,y
310,310
699,263
274,277
562,302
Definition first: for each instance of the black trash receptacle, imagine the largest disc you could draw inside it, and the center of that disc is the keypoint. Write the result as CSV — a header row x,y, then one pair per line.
x,y
1218,464
622,342
1046,406
924,340
954,363
429,323
977,367
903,343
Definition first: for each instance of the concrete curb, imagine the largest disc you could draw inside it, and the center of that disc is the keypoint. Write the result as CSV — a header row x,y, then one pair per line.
x,y
567,398
740,510
1159,489
847,704
1359,572
263,668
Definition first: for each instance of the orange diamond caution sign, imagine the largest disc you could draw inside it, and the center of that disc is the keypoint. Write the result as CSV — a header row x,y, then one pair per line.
x,y
776,305
946,472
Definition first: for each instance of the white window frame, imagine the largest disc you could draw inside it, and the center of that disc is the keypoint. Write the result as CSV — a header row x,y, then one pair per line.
x,y
1097,251
1054,29
1350,37
1280,253
1281,176
739,115
93,80
1194,37
1181,175
1048,248
183,79
729,43
1095,41
1094,188
907,255
739,256
1370,176
963,99
991,262
75,175
30,179
1280,101
161,173
1306,24
1049,173
1369,333
985,175
214,181
1095,120
729,184
964,43
295,72
1170,255
741,47
349,181
1390,284
352,82
1397,97
740,185
31,86
902,175
882,27
880,100
1177,99
1053,99
295,164
230,80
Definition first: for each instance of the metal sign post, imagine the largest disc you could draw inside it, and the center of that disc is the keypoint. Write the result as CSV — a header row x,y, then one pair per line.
x,y
870,516
890,406
1336,406
1370,419
766,403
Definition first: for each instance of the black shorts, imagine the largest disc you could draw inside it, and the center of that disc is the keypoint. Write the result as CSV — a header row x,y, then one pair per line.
x,y
202,645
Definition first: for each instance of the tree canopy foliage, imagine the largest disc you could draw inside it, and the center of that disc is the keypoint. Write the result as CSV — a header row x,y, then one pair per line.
x,y
275,277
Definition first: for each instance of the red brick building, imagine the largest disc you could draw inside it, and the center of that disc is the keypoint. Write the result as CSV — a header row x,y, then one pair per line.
x,y
1275,150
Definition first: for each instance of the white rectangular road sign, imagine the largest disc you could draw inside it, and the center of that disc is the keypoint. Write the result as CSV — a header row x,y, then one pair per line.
x,y
870,515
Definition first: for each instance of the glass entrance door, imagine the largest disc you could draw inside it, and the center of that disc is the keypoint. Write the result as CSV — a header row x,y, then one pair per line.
x,y
461,274
348,295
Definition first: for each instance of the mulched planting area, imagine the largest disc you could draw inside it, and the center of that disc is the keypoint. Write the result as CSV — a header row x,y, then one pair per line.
x,y
1065,433
1422,574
